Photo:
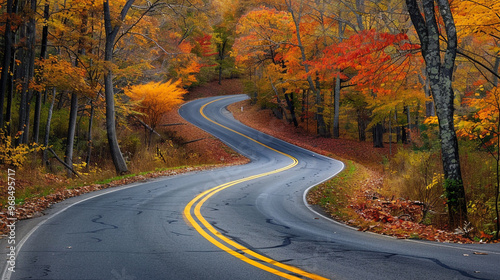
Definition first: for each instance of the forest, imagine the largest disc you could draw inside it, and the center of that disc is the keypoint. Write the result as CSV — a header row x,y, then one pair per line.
x,y
86,86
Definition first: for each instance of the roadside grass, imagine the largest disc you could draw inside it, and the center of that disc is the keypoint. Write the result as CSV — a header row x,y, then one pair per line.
x,y
337,195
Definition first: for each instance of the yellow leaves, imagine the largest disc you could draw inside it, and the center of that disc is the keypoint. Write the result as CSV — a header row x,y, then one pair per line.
x,y
12,155
54,72
260,30
437,179
478,14
155,99
431,120
483,123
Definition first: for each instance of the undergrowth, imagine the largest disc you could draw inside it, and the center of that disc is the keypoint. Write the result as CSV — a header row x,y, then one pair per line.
x,y
335,196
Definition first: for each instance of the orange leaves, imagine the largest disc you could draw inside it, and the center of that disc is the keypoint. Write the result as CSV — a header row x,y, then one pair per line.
x,y
155,99
374,58
261,33
478,16
186,47
187,71
484,123
54,72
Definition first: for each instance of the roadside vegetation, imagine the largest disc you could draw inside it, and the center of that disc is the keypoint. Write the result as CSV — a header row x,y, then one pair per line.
x,y
179,148
89,91
396,190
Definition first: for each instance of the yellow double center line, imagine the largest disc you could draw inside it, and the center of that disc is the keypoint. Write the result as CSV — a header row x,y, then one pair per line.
x,y
235,249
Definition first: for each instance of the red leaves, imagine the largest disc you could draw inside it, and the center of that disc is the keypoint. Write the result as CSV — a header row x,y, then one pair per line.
x,y
205,43
399,218
371,54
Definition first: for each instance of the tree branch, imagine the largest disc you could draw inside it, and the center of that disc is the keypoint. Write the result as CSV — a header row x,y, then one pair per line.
x,y
62,162
478,62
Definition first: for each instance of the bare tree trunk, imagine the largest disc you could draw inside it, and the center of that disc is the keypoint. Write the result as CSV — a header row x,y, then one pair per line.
x,y
291,108
47,128
360,6
440,74
89,139
429,104
221,49
408,120
336,109
398,128
497,191
320,118
28,64
362,116
314,87
7,57
112,28
495,69
336,98
38,102
73,114
378,136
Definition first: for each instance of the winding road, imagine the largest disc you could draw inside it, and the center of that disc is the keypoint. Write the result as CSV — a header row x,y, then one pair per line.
x,y
240,222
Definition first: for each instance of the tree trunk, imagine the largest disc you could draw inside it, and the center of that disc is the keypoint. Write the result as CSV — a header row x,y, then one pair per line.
x,y
320,118
10,96
28,64
47,128
378,136
429,104
495,69
10,79
497,189
112,28
304,106
336,109
89,137
360,6
440,74
73,114
336,99
222,54
408,126
362,117
398,128
38,103
314,87
291,108
7,56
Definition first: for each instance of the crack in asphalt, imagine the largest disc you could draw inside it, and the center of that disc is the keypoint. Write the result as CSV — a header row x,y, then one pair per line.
x,y
96,220
271,221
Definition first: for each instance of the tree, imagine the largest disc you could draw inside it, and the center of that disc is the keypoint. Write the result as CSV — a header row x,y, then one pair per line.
x,y
112,27
7,57
440,75
297,12
154,99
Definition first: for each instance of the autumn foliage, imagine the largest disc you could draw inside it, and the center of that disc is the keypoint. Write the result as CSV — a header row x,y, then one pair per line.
x,y
155,99
342,69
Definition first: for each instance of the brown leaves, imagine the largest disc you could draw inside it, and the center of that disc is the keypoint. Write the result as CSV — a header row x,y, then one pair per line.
x,y
366,209
399,218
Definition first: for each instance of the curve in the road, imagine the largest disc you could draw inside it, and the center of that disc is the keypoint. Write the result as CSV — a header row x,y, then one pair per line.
x,y
142,232
240,251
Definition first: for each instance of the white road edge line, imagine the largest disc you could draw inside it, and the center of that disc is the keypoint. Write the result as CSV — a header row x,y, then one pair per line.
x,y
430,243
7,274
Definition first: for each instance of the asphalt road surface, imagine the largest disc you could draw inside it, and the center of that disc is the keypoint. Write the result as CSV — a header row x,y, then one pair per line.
x,y
240,222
